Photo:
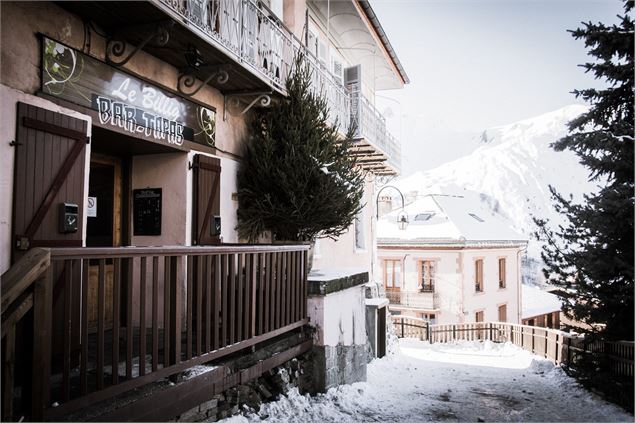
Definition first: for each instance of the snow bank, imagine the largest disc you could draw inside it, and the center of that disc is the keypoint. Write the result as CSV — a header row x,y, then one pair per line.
x,y
462,381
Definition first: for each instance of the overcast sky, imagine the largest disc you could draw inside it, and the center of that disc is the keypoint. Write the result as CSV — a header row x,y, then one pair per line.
x,y
474,64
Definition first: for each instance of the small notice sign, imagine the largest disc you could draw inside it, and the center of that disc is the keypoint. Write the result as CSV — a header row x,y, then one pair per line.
x,y
91,210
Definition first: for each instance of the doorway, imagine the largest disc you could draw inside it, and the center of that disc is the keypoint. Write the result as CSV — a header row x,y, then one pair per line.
x,y
104,213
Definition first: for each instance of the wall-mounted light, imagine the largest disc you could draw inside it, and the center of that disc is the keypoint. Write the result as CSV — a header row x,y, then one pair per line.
x,y
402,218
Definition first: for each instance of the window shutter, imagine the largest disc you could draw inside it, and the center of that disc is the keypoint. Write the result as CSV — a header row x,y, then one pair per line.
x,y
206,220
49,171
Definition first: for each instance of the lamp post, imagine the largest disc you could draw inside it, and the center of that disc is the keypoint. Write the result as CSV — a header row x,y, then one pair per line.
x,y
402,218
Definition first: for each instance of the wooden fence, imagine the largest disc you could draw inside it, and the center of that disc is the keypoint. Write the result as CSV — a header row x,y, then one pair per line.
x,y
114,319
557,346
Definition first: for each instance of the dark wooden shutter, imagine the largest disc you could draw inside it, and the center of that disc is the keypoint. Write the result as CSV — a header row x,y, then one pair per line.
x,y
49,170
206,200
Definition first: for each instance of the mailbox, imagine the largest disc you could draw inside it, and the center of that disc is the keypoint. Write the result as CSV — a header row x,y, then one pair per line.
x,y
215,229
69,215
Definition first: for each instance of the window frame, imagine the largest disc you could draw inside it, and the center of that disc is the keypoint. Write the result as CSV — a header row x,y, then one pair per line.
x,y
393,261
503,307
420,274
478,275
502,276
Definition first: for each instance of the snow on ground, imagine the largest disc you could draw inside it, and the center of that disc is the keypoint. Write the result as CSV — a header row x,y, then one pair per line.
x,y
463,381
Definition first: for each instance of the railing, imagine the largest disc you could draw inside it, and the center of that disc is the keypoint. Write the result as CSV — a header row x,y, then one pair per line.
x,y
247,32
554,345
393,149
324,84
25,287
413,299
411,327
254,37
129,316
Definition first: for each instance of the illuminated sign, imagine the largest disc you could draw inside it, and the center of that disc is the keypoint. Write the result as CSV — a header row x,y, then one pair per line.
x,y
122,100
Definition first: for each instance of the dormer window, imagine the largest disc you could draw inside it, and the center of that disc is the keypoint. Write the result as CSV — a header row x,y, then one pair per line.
x,y
476,217
423,217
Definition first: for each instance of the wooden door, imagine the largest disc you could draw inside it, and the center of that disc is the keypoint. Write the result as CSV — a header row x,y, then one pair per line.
x,y
206,201
49,170
103,230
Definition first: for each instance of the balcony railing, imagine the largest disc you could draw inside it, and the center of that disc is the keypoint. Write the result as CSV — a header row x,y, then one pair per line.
x,y
413,299
259,41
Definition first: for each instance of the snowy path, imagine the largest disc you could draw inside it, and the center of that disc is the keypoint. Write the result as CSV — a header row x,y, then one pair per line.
x,y
466,381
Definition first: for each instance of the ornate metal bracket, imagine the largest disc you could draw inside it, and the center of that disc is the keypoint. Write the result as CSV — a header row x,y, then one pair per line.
x,y
233,102
116,48
187,80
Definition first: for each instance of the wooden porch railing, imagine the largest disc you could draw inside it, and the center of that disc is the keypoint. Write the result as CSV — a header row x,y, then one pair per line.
x,y
126,317
557,346
24,287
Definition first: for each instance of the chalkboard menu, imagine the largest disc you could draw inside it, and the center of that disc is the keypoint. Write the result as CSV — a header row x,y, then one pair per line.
x,y
147,211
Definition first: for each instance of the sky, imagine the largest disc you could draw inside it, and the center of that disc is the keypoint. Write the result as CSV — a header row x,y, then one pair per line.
x,y
474,64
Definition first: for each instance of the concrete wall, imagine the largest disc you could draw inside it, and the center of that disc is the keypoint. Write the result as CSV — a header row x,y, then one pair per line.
x,y
339,352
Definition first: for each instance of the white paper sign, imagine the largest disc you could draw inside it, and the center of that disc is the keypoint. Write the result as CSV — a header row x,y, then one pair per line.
x,y
91,211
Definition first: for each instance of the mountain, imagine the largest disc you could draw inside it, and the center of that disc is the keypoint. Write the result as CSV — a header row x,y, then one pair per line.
x,y
512,168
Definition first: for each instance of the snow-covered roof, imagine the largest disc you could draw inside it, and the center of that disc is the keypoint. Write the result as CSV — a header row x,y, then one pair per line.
x,y
537,302
448,219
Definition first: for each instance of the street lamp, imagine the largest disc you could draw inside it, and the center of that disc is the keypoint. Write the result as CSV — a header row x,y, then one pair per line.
x,y
402,217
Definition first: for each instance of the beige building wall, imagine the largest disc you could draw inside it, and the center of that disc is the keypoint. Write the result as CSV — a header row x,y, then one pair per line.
x,y
455,296
343,253
492,296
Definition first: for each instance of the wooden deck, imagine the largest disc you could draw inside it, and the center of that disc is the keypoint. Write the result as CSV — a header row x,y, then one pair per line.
x,y
149,313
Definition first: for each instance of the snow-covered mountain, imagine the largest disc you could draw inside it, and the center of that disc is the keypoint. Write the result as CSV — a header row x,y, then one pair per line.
x,y
513,167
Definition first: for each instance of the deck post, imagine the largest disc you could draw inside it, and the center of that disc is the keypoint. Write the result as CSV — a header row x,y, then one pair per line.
x,y
175,311
42,318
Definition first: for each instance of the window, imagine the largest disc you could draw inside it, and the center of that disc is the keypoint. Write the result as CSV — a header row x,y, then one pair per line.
x,y
427,276
359,232
502,313
478,275
392,274
502,283
476,217
423,217
478,316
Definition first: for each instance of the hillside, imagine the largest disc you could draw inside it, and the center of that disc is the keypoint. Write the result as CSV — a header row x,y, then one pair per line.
x,y
513,167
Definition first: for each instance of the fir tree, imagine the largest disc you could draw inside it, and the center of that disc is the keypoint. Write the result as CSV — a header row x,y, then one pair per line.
x,y
297,179
591,257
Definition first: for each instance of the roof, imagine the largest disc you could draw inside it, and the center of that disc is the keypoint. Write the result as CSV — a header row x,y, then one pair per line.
x,y
372,17
448,220
537,302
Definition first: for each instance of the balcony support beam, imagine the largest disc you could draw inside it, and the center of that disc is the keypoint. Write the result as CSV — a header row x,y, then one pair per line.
x,y
187,79
116,47
234,102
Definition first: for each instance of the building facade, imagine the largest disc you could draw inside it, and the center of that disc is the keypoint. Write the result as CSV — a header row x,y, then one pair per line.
x,y
453,263
123,125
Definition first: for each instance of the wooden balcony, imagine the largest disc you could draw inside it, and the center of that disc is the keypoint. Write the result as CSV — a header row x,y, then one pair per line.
x,y
108,320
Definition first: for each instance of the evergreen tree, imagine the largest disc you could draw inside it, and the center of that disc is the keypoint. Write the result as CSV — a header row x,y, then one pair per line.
x,y
591,257
297,179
